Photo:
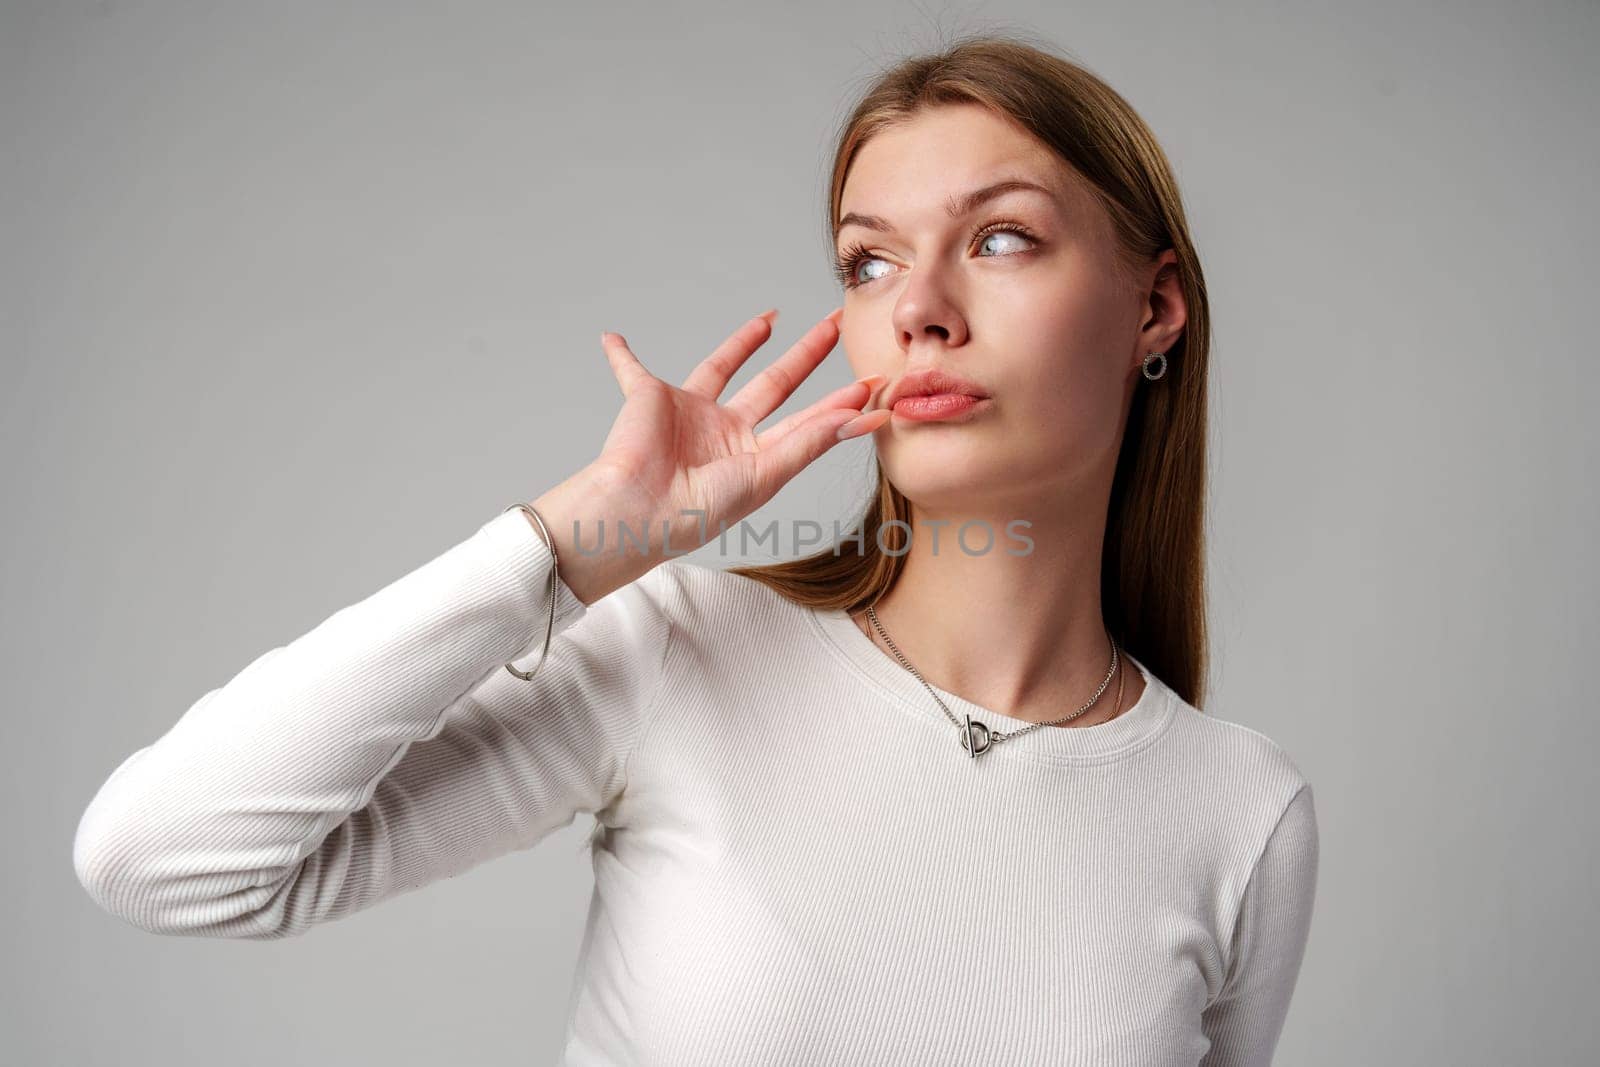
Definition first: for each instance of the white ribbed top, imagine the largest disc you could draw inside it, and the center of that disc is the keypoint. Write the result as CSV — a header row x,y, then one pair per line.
x,y
796,861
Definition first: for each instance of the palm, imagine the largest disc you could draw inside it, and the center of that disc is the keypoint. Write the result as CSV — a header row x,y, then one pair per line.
x,y
681,451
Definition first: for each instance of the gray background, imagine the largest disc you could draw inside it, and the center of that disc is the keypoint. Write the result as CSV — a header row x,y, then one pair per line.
x,y
296,296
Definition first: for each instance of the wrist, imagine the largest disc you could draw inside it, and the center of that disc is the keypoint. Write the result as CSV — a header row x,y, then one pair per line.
x,y
582,515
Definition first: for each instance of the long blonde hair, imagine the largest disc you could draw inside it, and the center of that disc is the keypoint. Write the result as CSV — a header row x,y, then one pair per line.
x,y
1152,579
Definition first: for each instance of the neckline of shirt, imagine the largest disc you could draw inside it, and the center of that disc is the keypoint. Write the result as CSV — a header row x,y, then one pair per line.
x,y
1130,732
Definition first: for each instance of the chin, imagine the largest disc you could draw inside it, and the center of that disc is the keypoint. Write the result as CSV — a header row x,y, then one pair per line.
x,y
946,480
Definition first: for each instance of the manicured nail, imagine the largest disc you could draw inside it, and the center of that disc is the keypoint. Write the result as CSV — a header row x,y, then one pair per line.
x,y
856,426
771,316
871,381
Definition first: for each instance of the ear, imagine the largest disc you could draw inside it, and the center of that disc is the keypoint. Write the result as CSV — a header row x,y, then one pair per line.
x,y
1164,311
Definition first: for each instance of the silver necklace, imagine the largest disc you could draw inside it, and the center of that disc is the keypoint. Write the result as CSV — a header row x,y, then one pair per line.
x,y
977,738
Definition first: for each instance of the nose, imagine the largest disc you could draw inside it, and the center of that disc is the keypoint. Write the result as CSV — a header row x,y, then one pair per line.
x,y
926,311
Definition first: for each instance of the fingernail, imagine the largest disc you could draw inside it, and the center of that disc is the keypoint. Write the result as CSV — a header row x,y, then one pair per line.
x,y
855,426
872,381
771,316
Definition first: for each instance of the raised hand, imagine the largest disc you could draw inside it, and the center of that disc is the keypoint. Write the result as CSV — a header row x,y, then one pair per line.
x,y
682,466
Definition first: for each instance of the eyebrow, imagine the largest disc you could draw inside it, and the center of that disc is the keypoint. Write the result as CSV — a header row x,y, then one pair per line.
x,y
955,207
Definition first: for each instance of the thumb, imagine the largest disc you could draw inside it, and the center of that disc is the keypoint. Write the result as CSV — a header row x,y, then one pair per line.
x,y
795,450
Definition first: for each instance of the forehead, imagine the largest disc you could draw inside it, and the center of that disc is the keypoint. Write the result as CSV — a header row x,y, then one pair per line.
x,y
914,167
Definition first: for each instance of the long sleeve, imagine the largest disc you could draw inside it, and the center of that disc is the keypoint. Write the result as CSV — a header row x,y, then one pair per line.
x,y
383,750
1274,922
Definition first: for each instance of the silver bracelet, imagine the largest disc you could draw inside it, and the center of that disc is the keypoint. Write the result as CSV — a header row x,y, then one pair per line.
x,y
549,626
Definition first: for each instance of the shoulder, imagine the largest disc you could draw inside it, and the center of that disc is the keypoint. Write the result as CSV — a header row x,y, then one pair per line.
x,y
1229,749
1246,781
716,605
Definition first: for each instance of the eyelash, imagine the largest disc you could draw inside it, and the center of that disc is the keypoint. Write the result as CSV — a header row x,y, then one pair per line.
x,y
850,260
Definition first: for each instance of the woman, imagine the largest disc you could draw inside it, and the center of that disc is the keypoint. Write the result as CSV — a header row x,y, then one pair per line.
x,y
908,800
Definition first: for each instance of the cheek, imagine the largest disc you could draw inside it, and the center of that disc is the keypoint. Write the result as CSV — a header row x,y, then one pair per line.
x,y
1064,351
1063,429
1059,410
1071,301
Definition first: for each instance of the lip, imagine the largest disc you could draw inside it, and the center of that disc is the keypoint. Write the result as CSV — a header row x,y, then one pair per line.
x,y
932,383
934,406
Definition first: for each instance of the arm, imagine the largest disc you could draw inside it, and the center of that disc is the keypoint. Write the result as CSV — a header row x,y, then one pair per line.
x,y
1269,940
293,794
385,749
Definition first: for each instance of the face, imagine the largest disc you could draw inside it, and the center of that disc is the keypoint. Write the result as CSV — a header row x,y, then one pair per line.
x,y
1022,294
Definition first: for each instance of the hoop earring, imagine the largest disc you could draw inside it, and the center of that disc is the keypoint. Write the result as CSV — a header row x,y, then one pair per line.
x,y
1155,357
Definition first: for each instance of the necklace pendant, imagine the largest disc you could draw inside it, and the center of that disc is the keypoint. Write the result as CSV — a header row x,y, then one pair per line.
x,y
974,738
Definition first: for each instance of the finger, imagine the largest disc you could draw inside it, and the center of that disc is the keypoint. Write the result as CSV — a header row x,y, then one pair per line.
x,y
711,377
793,452
625,366
855,396
864,423
766,392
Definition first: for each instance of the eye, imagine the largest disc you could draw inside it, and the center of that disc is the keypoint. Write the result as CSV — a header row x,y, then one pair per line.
x,y
848,265
1002,228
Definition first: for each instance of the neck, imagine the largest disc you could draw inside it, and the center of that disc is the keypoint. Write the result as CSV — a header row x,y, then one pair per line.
x,y
1021,634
